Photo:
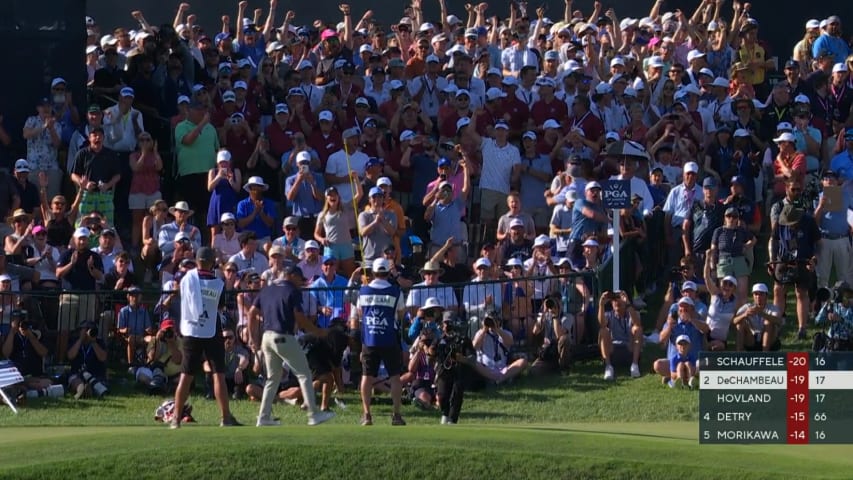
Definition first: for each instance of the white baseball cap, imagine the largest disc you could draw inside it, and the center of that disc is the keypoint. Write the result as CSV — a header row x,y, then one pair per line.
x,y
691,167
760,288
688,285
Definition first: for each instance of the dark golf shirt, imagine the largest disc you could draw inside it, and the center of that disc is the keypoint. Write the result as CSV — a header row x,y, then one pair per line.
x,y
277,304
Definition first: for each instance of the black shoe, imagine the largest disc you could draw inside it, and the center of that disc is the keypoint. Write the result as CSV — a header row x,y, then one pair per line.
x,y
802,335
230,422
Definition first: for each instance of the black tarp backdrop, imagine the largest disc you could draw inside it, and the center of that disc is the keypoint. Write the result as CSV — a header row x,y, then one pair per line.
x,y
43,38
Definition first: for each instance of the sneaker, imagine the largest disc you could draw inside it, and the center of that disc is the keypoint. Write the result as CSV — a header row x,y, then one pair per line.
x,y
445,419
81,390
131,371
802,335
320,417
230,422
690,383
366,420
290,401
653,337
670,383
635,370
639,303
175,424
609,374
397,421
267,422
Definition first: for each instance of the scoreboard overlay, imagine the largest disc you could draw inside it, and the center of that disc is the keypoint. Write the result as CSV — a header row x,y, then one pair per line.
x,y
776,397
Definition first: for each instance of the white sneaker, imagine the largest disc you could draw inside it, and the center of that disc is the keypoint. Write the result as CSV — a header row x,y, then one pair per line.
x,y
653,337
445,419
290,401
690,383
320,417
267,422
639,303
609,374
635,370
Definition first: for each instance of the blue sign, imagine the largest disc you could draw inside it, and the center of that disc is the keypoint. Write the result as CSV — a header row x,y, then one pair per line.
x,y
616,194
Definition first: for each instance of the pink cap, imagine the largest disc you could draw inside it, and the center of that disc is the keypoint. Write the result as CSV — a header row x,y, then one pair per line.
x,y
38,229
328,33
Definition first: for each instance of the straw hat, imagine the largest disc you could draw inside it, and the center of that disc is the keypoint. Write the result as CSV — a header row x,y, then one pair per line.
x,y
18,213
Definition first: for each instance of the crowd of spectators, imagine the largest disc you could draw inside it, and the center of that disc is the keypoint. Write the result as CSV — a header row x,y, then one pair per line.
x,y
474,144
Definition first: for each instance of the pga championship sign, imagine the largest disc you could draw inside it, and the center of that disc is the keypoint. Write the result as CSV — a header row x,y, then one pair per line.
x,y
616,194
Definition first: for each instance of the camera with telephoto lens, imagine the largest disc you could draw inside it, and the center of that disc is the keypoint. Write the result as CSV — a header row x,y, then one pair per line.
x,y
99,389
676,275
24,322
92,332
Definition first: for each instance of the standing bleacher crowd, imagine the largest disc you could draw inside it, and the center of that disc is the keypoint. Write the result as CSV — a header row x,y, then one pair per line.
x,y
464,158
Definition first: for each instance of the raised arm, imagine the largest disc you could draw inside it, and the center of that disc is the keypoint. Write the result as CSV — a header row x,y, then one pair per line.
x,y
179,16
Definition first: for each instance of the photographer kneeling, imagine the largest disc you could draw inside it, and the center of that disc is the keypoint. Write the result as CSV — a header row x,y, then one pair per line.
x,y
838,313
552,331
88,356
24,348
162,371
451,353
493,343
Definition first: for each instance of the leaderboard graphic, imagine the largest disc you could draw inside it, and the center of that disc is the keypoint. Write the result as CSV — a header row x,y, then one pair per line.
x,y
771,397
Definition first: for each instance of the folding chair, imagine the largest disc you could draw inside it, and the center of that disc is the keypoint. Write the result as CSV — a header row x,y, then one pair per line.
x,y
9,375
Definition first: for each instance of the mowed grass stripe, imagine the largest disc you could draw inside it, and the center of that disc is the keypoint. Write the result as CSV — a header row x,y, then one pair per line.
x,y
335,451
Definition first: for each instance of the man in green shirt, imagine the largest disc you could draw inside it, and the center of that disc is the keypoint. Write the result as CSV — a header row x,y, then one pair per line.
x,y
197,143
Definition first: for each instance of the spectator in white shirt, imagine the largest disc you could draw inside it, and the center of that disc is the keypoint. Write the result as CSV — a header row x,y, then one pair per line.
x,y
501,167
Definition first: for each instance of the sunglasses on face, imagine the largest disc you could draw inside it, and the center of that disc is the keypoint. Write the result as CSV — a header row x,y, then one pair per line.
x,y
290,229
228,337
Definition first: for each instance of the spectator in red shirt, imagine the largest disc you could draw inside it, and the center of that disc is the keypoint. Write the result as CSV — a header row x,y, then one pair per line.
x,y
278,132
492,111
583,119
390,107
548,105
372,143
326,140
237,136
245,105
447,125
300,112
514,107
410,117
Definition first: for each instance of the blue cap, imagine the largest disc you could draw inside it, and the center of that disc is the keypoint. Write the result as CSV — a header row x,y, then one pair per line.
x,y
848,134
294,270
376,191
443,162
372,162
329,258
709,182
220,37
482,31
737,179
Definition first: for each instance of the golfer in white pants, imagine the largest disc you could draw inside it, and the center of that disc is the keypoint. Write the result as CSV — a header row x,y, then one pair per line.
x,y
278,308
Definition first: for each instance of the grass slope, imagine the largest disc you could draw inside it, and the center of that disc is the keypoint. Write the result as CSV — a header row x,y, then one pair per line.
x,y
578,451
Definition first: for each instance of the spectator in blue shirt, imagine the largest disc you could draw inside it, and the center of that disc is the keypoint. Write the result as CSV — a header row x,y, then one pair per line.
x,y
133,322
445,212
682,365
686,321
831,41
327,294
304,192
588,217
842,164
834,233
254,214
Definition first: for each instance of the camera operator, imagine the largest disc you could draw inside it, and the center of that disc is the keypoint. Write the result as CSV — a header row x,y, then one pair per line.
x,y
164,360
451,352
24,348
684,274
793,242
620,333
553,328
838,314
88,357
493,343
421,373
426,320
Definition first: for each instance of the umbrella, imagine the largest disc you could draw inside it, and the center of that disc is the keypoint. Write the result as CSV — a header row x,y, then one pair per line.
x,y
627,148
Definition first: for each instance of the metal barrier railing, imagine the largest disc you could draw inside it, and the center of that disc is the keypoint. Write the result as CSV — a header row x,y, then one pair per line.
x,y
517,301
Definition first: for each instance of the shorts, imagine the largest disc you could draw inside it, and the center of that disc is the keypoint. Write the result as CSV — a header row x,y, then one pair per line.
x,y
734,266
492,204
142,201
423,385
709,339
341,251
391,356
621,356
197,350
757,347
